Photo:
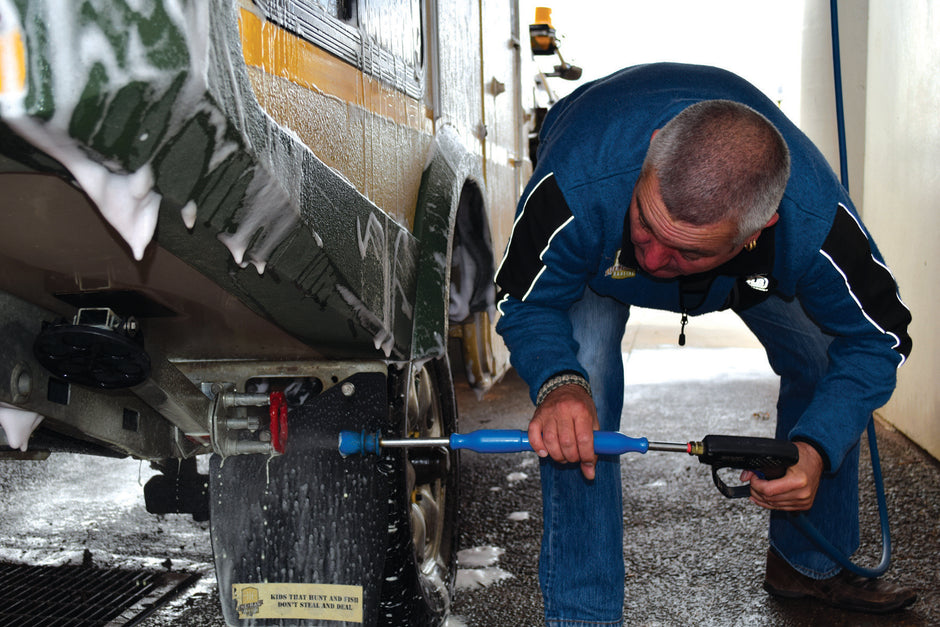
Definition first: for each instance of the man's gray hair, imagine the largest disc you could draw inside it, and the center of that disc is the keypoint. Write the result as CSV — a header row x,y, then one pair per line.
x,y
720,160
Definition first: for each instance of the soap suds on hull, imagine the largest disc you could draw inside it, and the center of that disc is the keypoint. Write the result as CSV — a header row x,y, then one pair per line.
x,y
128,200
18,424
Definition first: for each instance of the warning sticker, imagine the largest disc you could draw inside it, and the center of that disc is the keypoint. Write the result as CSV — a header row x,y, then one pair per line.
x,y
298,600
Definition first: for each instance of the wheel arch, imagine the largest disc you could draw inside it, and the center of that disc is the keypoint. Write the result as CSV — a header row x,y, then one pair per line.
x,y
451,197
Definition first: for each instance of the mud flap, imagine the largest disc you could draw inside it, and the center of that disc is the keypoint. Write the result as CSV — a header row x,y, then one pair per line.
x,y
301,538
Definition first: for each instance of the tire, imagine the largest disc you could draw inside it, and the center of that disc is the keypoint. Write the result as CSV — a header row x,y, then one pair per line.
x,y
420,565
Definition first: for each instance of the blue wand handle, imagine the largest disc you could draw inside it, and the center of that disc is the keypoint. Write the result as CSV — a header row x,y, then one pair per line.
x,y
515,441
483,441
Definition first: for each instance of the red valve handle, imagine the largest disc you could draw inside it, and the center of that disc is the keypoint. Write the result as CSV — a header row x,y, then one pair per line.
x,y
278,414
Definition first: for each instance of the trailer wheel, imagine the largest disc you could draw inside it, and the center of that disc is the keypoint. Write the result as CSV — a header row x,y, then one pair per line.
x,y
421,559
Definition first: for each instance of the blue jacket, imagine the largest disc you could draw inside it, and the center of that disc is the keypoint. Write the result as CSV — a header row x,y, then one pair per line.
x,y
571,231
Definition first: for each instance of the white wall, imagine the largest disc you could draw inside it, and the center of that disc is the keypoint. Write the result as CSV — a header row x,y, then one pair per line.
x,y
902,192
891,91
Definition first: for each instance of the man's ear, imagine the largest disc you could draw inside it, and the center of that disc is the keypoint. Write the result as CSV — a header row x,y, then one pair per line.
x,y
751,242
655,130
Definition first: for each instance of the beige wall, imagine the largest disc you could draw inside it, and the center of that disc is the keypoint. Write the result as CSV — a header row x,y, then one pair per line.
x,y
902,192
891,85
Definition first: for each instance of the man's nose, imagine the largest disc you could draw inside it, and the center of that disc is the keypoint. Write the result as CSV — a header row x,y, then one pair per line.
x,y
656,256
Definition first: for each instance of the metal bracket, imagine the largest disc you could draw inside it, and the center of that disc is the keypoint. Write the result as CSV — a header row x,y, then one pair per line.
x,y
238,429
234,432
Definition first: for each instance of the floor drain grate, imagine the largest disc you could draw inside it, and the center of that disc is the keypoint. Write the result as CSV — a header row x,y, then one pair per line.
x,y
82,596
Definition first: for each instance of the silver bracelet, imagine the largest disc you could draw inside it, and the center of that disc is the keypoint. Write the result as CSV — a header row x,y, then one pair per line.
x,y
552,384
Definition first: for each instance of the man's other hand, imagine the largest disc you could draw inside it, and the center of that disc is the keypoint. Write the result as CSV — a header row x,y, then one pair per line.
x,y
563,428
793,492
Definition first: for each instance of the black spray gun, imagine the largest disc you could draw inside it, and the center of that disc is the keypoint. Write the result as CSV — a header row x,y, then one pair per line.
x,y
766,457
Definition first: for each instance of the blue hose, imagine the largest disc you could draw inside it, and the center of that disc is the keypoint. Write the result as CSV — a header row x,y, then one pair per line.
x,y
837,77
800,521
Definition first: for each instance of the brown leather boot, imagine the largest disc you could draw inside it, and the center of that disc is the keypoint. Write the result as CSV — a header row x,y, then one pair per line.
x,y
846,590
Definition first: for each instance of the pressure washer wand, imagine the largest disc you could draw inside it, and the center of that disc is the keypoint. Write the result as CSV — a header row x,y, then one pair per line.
x,y
767,457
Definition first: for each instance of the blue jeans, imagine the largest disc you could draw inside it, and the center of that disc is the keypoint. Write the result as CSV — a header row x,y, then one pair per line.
x,y
796,349
581,567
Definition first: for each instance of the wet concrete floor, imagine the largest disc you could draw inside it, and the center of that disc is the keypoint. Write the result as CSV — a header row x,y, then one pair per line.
x,y
692,556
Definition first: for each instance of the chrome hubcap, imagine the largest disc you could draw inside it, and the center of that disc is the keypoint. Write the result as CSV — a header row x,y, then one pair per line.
x,y
427,479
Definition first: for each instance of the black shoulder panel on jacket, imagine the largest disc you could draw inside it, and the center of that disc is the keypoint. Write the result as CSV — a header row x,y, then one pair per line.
x,y
543,214
870,281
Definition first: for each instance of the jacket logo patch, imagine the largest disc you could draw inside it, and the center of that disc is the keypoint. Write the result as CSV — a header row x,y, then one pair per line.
x,y
758,282
619,271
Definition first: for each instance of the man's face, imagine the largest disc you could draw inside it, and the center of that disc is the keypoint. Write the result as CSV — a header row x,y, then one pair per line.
x,y
666,248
